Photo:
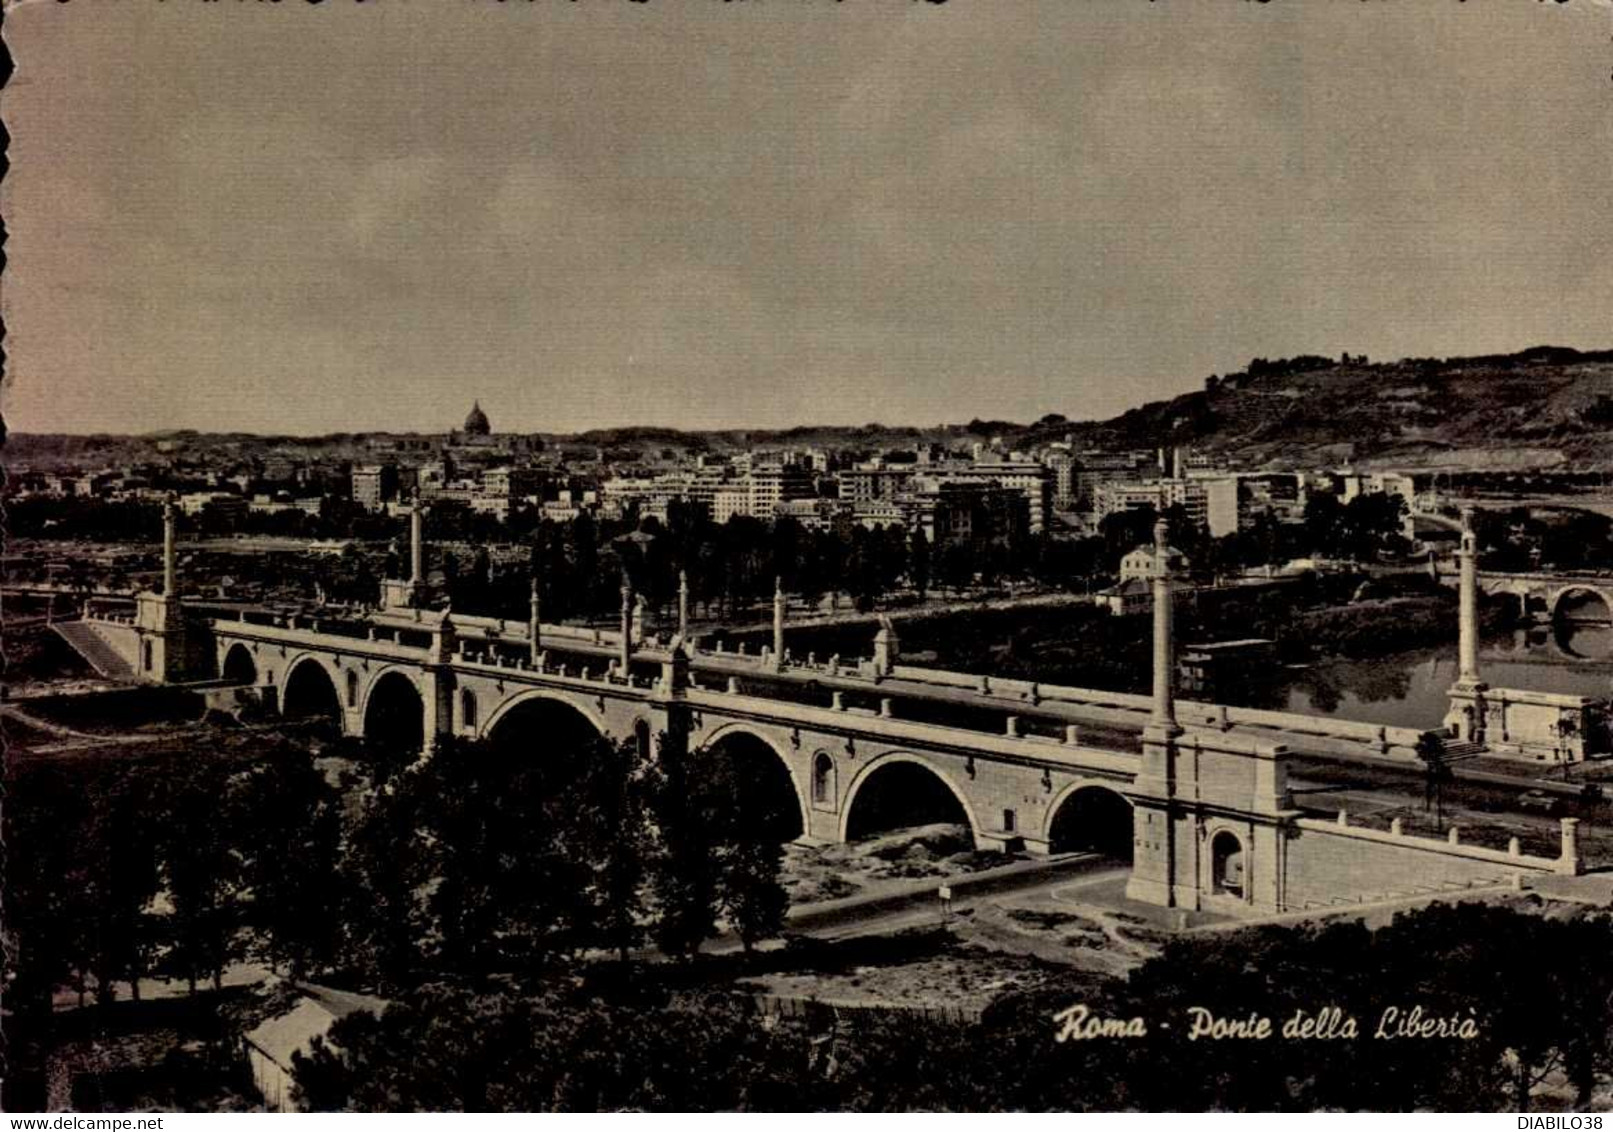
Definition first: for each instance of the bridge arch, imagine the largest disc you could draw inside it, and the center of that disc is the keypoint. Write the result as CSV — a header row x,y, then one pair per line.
x,y
531,707
239,666
309,690
906,769
395,711
1091,815
774,764
1582,603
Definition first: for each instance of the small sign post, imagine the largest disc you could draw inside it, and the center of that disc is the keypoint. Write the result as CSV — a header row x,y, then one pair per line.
x,y
945,894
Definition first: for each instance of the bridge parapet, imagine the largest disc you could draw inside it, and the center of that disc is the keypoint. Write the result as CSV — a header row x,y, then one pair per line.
x,y
316,640
870,725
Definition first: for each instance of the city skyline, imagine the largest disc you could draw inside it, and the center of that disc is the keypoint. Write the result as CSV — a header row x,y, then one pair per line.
x,y
605,215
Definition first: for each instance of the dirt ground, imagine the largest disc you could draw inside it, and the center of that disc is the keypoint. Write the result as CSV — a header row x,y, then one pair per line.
x,y
1015,943
812,874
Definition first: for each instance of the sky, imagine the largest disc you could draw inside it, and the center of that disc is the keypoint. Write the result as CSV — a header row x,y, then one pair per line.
x,y
289,217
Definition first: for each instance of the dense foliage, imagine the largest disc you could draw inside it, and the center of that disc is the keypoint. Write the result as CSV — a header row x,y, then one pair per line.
x,y
1504,1000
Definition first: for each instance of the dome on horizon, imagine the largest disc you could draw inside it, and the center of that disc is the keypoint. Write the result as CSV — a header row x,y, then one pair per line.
x,y
476,423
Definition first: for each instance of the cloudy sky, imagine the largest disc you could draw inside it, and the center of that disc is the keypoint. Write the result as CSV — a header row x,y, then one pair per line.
x,y
300,218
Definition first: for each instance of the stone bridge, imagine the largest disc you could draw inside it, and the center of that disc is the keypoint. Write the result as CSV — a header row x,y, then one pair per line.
x,y
828,729
1194,794
1550,597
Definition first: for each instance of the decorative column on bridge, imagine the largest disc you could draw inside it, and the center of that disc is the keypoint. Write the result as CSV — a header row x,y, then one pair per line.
x,y
170,571
410,592
437,692
1468,602
683,604
779,599
417,544
1163,717
1466,717
158,647
625,650
534,628
1157,838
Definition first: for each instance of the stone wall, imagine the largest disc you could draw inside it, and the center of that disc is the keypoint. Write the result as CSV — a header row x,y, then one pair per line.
x,y
1328,863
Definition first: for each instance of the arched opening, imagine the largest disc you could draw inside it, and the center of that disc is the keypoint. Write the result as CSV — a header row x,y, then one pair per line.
x,y
467,709
641,738
239,667
903,795
1582,624
352,688
1227,864
395,717
1580,605
764,797
538,726
1093,819
310,694
823,779
147,663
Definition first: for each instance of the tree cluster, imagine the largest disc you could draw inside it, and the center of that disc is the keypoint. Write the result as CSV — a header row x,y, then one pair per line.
x,y
1534,993
135,866
484,859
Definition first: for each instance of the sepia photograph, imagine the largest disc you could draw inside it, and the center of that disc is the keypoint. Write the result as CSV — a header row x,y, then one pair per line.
x,y
806,556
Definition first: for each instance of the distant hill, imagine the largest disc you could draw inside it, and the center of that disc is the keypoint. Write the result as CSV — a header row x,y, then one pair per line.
x,y
1543,407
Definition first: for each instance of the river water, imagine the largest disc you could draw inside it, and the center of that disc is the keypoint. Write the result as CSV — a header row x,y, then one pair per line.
x,y
1409,689
1406,689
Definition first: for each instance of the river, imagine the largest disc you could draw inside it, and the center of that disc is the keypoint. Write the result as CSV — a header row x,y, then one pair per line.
x,y
1409,689
1065,645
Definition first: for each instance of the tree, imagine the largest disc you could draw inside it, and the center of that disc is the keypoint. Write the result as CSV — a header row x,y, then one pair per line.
x,y
1324,524
753,899
686,873
616,837
918,562
201,870
1436,773
291,830
122,880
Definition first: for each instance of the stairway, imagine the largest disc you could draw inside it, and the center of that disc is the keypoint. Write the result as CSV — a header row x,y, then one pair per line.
x,y
1456,751
92,647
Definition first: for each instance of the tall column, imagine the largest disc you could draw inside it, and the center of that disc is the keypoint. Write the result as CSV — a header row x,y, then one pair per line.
x,y
683,605
1468,602
1164,714
778,622
170,572
626,649
534,629
417,550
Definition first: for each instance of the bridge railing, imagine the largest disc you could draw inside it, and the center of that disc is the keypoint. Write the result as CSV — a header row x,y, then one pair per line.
x,y
1072,749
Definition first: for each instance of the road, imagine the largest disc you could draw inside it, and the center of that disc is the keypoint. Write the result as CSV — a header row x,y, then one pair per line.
x,y
1475,806
888,912
882,915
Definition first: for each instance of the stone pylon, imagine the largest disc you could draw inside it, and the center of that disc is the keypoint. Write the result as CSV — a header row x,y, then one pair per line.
x,y
534,629
1156,876
1468,703
1468,602
1163,717
779,601
683,604
170,565
624,653
417,545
